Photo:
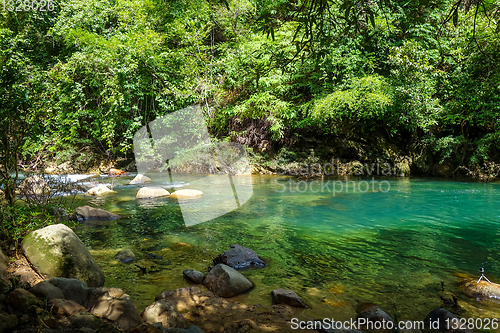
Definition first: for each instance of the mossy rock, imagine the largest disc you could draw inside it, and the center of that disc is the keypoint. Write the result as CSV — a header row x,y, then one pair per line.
x,y
56,251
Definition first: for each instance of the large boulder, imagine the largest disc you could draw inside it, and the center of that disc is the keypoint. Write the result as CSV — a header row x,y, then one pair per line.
x,y
72,289
33,186
151,192
65,307
99,191
483,289
46,290
56,251
165,313
225,281
95,214
186,194
240,257
114,305
140,179
288,297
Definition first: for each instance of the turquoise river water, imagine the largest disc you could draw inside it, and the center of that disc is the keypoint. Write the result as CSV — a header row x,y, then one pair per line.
x,y
392,242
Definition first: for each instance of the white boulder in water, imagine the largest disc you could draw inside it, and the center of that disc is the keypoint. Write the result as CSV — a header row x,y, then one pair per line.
x,y
140,179
99,191
151,192
186,194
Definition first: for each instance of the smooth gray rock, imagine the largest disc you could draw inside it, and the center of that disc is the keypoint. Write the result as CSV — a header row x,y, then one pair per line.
x,y
225,281
194,276
240,257
165,313
288,297
56,251
72,289
46,290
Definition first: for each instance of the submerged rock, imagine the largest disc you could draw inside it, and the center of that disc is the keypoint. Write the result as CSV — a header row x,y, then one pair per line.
x,y
95,214
125,256
165,313
288,297
99,191
225,281
192,275
140,179
483,289
151,192
56,251
186,194
240,257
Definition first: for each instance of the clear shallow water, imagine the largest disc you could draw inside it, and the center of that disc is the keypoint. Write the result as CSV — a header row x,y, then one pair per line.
x,y
393,248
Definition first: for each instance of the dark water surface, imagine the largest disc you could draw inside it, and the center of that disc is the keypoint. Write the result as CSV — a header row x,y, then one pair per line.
x,y
390,243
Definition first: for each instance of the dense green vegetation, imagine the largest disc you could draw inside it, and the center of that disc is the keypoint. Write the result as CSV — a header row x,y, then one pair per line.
x,y
397,81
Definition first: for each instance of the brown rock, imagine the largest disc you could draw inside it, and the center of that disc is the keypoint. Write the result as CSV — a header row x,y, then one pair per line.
x,y
7,322
484,290
22,299
95,214
65,307
116,172
165,313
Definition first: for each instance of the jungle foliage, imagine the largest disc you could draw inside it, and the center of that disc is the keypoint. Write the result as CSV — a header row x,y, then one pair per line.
x,y
389,80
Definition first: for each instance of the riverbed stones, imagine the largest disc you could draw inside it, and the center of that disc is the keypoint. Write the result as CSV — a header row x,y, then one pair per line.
x,y
225,281
483,289
99,191
33,186
22,299
85,320
72,289
114,305
240,257
140,179
288,297
46,290
146,328
437,319
125,256
182,298
165,313
56,251
95,214
186,194
194,276
151,192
